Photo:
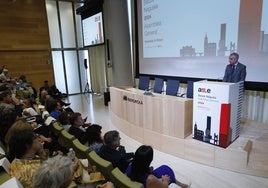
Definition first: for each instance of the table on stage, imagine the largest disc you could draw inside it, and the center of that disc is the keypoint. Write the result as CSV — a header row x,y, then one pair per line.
x,y
149,118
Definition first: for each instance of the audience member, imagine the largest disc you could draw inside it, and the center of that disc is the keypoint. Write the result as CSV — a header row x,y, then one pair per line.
x,y
45,87
52,90
64,120
6,99
26,146
55,92
28,108
94,138
43,96
50,144
56,172
7,117
9,100
24,84
115,153
21,125
2,68
30,91
77,127
24,89
4,77
14,83
18,126
46,98
54,108
8,112
139,170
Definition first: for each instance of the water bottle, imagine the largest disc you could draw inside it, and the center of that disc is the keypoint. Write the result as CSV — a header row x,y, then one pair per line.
x,y
71,154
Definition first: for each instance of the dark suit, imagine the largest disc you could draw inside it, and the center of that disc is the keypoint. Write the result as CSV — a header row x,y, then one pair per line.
x,y
239,73
118,158
78,133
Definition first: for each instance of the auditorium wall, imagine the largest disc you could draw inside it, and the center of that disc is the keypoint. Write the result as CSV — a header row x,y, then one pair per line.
x,y
25,45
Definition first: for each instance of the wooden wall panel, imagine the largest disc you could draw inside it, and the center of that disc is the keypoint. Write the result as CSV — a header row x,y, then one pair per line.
x,y
32,64
24,42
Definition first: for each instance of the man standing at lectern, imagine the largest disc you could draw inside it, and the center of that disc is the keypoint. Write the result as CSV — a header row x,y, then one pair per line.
x,y
235,71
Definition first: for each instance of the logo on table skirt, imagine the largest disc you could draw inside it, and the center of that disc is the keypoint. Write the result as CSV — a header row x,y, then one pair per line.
x,y
136,101
204,90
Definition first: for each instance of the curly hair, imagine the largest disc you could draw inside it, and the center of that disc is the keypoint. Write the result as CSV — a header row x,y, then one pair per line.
x,y
55,172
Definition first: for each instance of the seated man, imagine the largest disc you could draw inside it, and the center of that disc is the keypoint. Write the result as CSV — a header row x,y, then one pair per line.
x,y
9,100
45,97
4,77
77,127
56,93
113,152
54,107
52,91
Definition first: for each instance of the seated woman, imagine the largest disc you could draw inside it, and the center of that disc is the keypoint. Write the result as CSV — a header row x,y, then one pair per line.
x,y
50,145
54,172
94,138
16,128
26,147
57,172
140,170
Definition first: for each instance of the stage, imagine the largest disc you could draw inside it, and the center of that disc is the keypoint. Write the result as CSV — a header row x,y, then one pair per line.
x,y
247,154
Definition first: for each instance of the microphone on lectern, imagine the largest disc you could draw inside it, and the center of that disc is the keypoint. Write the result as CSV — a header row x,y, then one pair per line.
x,y
148,92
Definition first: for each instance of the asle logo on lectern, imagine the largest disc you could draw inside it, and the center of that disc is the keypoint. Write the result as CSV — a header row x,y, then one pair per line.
x,y
204,90
125,98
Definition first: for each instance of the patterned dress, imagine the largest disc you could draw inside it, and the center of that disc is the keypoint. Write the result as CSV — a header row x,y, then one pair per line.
x,y
24,169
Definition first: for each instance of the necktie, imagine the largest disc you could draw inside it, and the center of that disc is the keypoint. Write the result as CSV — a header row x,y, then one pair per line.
x,y
231,78
233,68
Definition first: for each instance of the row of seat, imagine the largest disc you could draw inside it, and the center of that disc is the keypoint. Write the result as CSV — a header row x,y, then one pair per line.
x,y
171,87
110,173
68,140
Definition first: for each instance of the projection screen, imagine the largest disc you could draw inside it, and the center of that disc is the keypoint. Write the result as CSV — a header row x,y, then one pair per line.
x,y
193,39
